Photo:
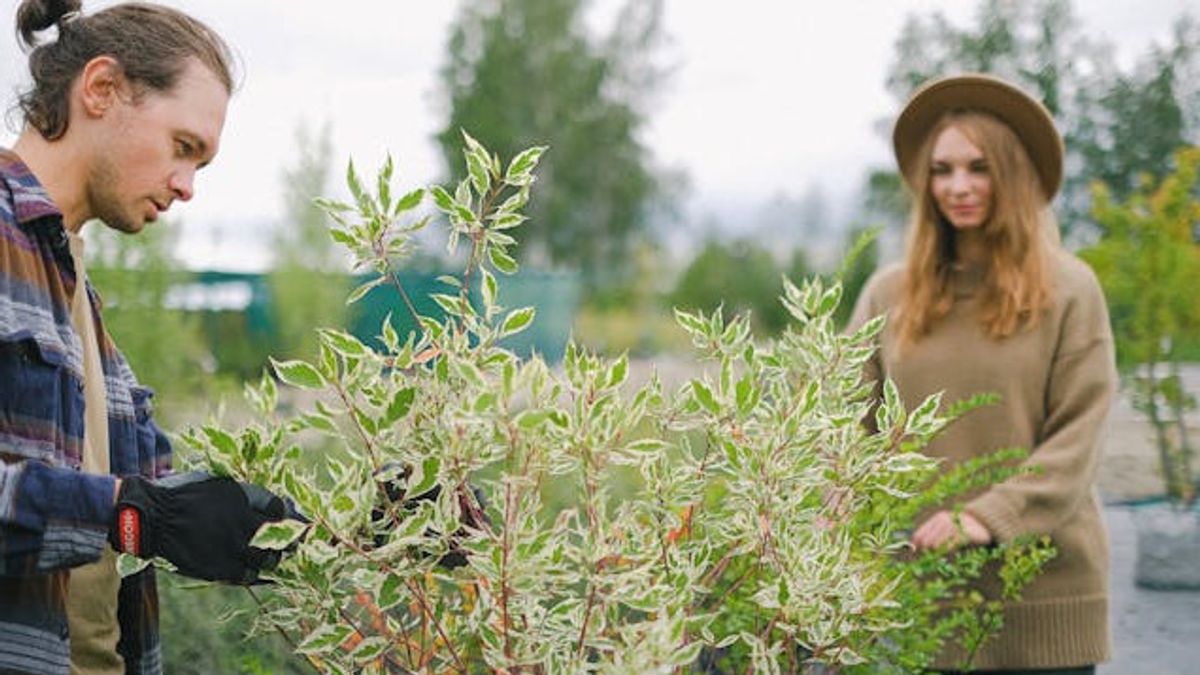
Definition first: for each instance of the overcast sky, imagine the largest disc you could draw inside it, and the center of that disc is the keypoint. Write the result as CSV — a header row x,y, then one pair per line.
x,y
768,96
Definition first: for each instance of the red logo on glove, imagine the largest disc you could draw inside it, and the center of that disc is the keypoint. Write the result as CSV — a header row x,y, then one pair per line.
x,y
129,531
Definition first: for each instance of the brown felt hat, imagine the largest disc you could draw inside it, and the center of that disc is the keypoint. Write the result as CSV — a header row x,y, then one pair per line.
x,y
1028,118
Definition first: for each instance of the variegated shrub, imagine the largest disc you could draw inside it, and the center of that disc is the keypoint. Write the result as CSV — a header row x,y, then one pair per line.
x,y
746,520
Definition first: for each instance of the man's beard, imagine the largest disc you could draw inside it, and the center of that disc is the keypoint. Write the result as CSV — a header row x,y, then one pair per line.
x,y
105,201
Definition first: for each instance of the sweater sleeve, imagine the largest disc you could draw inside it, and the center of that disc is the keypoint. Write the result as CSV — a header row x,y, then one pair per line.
x,y
1079,394
51,517
866,307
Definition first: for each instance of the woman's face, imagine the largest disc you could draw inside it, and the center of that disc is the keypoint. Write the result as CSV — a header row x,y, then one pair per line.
x,y
960,181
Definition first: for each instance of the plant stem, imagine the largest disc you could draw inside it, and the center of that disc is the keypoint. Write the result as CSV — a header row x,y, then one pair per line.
x,y
286,638
504,546
587,616
417,592
394,278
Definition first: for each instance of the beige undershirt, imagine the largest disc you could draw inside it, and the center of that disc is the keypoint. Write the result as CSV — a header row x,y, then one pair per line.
x,y
93,589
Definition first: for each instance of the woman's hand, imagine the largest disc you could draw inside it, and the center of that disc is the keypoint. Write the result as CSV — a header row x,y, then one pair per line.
x,y
942,529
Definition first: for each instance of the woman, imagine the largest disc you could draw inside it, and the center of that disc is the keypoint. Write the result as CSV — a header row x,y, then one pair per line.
x,y
987,300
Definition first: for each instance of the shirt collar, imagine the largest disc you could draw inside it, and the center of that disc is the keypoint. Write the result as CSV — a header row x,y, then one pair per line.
x,y
30,201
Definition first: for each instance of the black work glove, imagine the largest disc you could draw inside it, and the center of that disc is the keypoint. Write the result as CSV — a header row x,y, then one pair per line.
x,y
200,523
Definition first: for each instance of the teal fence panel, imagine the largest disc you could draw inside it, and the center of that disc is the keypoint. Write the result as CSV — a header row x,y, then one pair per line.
x,y
554,295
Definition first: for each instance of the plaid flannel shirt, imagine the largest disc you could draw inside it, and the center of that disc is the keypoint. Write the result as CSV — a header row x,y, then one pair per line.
x,y
52,516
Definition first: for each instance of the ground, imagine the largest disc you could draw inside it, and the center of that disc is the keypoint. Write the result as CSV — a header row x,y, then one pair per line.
x,y
1154,632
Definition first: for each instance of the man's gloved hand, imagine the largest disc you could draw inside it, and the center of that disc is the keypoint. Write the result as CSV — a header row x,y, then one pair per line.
x,y
201,523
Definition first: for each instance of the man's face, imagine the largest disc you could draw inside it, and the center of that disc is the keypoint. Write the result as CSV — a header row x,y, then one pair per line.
x,y
152,147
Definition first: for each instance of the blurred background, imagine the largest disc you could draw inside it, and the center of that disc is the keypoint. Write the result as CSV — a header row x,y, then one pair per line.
x,y
698,151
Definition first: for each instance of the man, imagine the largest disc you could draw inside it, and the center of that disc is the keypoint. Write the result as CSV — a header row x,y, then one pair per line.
x,y
126,105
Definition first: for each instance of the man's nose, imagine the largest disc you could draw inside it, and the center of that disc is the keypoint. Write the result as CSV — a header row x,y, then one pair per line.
x,y
182,184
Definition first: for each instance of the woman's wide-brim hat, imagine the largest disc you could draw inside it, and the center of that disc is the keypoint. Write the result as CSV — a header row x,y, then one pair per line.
x,y
1027,117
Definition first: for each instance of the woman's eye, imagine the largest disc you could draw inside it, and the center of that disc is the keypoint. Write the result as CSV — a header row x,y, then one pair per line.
x,y
979,167
183,148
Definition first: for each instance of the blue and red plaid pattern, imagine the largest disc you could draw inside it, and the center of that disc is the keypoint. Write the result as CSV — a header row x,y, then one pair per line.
x,y
52,516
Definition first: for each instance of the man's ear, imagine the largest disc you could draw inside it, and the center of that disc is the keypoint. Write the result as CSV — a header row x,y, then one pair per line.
x,y
101,85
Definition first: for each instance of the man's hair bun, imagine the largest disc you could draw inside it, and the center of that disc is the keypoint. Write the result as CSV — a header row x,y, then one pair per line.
x,y
34,16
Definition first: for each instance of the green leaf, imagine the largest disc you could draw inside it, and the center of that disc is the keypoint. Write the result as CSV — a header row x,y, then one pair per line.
x,y
383,184
391,339
469,372
368,423
500,239
316,421
514,202
390,592
830,300
343,343
442,199
463,213
128,565
365,288
531,419
521,168
477,165
424,476
450,304
400,405
747,394
488,288
502,261
646,446
410,201
278,535
342,237
507,221
356,188
326,637
618,371
298,374
704,397
369,649
517,320
221,441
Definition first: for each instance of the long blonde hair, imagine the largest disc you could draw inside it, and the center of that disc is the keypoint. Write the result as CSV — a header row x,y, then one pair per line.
x,y
1018,236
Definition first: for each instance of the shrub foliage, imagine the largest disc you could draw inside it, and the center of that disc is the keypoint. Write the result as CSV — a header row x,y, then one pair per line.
x,y
482,512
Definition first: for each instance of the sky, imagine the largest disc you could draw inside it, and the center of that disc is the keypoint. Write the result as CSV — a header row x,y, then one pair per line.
x,y
767,98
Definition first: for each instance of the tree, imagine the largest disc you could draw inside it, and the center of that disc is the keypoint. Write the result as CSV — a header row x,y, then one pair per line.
x,y
739,277
308,279
861,259
524,72
1149,265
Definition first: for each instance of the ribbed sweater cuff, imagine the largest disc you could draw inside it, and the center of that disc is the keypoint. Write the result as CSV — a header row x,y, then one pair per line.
x,y
995,513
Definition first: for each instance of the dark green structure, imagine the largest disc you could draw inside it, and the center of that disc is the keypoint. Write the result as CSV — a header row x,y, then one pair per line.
x,y
237,310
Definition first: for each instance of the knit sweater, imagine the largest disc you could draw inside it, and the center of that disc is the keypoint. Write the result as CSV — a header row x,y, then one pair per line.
x,y
1056,381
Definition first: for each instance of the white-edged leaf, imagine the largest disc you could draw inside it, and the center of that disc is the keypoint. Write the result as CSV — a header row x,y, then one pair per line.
x,y
517,320
358,293
278,535
298,374
343,343
326,637
502,261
